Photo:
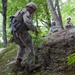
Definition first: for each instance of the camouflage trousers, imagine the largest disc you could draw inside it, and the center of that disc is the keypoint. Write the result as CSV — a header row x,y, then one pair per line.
x,y
26,50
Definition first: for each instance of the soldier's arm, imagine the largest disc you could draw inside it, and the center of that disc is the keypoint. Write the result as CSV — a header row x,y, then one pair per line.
x,y
28,21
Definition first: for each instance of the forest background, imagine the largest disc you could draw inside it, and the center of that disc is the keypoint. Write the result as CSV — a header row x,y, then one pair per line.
x,y
42,17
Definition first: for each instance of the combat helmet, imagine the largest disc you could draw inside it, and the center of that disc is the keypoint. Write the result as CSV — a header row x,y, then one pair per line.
x,y
31,4
68,18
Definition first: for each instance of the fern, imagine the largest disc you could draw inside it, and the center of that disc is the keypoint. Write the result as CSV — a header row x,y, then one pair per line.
x,y
71,59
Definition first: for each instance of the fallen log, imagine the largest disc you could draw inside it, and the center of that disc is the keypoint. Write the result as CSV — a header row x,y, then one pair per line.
x,y
59,46
63,37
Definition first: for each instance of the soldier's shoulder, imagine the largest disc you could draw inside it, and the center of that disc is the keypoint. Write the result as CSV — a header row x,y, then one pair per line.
x,y
24,10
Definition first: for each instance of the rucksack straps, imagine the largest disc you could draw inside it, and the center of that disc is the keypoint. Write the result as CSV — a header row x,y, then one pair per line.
x,y
14,24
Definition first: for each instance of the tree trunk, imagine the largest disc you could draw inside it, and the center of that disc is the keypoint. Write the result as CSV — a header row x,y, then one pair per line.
x,y
36,22
54,14
47,13
4,7
59,13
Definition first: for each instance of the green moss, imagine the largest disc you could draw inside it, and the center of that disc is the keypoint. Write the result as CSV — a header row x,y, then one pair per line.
x,y
6,56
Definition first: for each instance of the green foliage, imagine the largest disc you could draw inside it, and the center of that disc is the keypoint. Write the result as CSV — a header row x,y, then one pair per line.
x,y
1,45
67,9
1,18
14,6
6,56
0,6
71,59
38,37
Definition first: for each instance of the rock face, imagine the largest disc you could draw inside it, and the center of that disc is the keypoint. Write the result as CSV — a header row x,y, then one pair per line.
x,y
59,46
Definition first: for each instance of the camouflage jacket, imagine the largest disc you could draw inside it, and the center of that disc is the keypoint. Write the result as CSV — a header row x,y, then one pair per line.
x,y
27,19
68,24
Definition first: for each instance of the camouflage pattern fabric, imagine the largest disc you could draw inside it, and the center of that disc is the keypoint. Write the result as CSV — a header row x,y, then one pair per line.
x,y
23,38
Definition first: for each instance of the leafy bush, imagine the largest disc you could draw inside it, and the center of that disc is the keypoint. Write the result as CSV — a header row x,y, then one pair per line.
x,y
71,59
38,37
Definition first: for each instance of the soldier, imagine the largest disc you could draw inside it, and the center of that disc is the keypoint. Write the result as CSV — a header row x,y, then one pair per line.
x,y
53,27
68,23
21,35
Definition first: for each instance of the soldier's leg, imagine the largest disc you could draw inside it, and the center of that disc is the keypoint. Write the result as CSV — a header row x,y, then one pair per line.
x,y
30,49
21,50
31,56
20,53
19,57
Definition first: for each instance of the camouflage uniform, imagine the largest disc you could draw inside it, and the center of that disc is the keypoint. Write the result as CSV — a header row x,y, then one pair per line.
x,y
54,28
24,39
68,23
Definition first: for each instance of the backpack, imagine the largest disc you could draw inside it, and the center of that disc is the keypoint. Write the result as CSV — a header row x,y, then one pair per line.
x,y
17,23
